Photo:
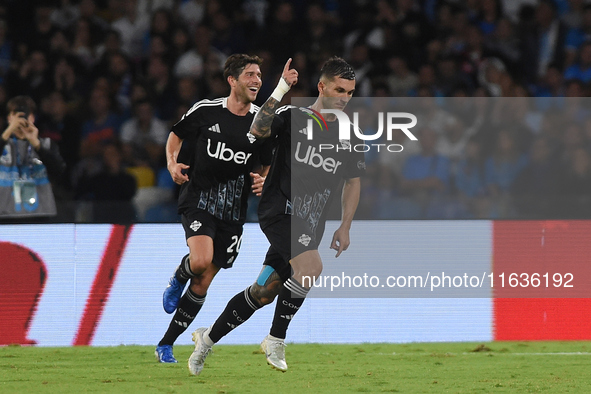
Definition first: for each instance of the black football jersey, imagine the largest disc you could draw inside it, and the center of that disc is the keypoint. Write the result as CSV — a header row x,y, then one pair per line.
x,y
306,173
221,154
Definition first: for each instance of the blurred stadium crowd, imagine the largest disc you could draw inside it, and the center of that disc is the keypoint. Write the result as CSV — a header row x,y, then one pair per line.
x,y
501,82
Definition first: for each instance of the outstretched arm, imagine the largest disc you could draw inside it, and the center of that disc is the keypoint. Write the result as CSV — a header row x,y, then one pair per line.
x,y
261,124
350,200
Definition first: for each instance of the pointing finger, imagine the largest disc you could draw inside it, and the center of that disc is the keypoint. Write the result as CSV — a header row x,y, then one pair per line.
x,y
286,68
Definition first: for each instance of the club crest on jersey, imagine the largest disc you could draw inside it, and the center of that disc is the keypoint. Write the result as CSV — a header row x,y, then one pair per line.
x,y
304,239
345,144
251,137
215,128
196,225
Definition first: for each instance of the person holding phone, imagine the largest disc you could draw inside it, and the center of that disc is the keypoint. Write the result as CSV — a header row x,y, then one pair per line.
x,y
25,162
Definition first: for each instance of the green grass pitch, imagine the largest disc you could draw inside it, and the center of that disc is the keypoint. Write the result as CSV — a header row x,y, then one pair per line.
x,y
497,367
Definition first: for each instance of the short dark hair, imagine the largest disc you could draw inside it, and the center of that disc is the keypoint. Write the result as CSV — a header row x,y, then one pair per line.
x,y
20,103
337,67
236,63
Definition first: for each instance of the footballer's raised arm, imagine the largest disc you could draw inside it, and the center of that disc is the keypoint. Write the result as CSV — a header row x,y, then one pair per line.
x,y
261,124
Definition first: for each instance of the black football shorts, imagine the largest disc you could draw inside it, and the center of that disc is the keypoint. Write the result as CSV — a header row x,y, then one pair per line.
x,y
227,236
289,237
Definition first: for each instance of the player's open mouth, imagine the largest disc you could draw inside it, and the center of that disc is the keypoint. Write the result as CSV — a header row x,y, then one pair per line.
x,y
253,89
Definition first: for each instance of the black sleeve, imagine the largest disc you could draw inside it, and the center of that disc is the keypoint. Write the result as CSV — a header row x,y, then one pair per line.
x,y
266,155
49,154
188,126
281,121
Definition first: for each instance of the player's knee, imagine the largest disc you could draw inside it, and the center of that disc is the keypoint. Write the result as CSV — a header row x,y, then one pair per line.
x,y
264,295
199,263
311,271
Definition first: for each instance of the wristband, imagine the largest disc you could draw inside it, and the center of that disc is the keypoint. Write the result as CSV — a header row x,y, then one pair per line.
x,y
280,90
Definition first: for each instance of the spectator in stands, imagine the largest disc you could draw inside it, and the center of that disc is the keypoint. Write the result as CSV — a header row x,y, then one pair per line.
x,y
102,128
162,86
189,59
160,26
98,26
228,38
40,34
502,168
120,77
82,42
581,70
572,138
535,188
551,86
26,161
111,45
543,42
5,51
578,35
283,32
111,189
191,12
144,137
400,79
454,139
132,27
575,187
491,12
427,174
33,77
504,44
469,180
63,128
187,91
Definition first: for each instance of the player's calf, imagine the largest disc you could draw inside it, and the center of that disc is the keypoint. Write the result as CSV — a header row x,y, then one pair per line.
x,y
267,286
176,284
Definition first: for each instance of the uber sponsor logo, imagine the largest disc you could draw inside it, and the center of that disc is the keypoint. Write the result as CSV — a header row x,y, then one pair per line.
x,y
315,159
221,152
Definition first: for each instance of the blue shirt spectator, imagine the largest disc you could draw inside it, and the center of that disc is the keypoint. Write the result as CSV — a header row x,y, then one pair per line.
x,y
506,163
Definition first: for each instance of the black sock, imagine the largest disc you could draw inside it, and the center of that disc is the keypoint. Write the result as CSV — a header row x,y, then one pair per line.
x,y
183,272
290,299
189,305
239,309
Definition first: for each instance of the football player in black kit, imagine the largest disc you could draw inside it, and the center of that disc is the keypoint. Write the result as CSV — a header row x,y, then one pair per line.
x,y
216,183
302,182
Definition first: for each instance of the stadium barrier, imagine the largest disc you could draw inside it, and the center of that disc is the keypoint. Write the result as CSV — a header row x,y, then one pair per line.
x,y
400,281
